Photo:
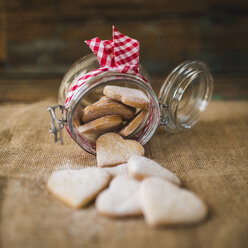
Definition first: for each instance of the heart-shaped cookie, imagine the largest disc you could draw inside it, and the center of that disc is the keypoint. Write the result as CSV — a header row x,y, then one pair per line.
x,y
141,167
133,125
164,203
117,170
129,96
121,199
92,130
76,188
107,106
112,149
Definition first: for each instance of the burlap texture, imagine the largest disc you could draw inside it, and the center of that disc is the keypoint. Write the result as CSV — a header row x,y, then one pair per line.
x,y
211,159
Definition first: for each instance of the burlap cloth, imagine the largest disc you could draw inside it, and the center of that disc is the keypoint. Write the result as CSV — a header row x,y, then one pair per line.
x,y
211,159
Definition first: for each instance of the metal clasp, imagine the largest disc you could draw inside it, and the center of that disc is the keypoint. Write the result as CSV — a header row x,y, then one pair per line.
x,y
163,109
57,124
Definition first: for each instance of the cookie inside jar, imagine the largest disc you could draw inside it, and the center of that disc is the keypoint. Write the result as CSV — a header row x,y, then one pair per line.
x,y
121,107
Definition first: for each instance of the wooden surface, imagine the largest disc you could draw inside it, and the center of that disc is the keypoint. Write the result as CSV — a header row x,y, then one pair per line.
x,y
39,40
45,37
31,90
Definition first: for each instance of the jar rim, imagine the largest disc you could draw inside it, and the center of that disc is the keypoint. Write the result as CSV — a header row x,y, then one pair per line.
x,y
189,74
101,79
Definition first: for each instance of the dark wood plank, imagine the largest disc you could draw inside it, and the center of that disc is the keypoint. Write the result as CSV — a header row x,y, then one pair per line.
x,y
75,9
46,37
163,43
30,90
3,55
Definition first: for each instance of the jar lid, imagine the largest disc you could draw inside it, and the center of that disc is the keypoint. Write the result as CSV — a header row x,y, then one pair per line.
x,y
184,95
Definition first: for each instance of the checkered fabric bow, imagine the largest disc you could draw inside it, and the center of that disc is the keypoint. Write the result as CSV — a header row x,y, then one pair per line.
x,y
120,54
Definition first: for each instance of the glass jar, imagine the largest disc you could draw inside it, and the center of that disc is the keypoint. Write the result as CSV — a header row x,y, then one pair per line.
x,y
183,98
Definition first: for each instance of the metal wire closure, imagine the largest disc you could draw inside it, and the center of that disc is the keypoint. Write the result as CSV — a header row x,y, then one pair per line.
x,y
57,124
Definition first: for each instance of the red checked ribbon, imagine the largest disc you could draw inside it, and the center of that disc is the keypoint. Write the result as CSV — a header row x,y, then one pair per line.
x,y
121,54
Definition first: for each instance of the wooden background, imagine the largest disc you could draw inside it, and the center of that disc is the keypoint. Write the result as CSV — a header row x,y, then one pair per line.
x,y
42,38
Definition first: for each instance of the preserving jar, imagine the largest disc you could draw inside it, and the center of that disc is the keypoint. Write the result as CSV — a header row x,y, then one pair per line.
x,y
182,99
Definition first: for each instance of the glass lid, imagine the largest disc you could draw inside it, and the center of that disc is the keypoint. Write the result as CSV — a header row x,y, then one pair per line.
x,y
184,95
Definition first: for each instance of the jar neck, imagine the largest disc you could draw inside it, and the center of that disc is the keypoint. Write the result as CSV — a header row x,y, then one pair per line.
x,y
184,95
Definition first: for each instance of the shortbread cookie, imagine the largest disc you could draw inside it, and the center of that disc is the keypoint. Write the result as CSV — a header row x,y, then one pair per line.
x,y
77,117
76,188
132,126
164,203
141,167
131,97
107,106
104,99
92,130
121,199
117,170
112,149
91,136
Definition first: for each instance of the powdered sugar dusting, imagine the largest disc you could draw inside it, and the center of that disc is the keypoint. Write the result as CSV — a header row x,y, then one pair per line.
x,y
112,149
117,170
121,198
163,203
77,187
141,167
132,97
68,165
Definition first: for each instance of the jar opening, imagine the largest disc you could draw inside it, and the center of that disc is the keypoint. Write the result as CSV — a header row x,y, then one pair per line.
x,y
185,93
93,91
